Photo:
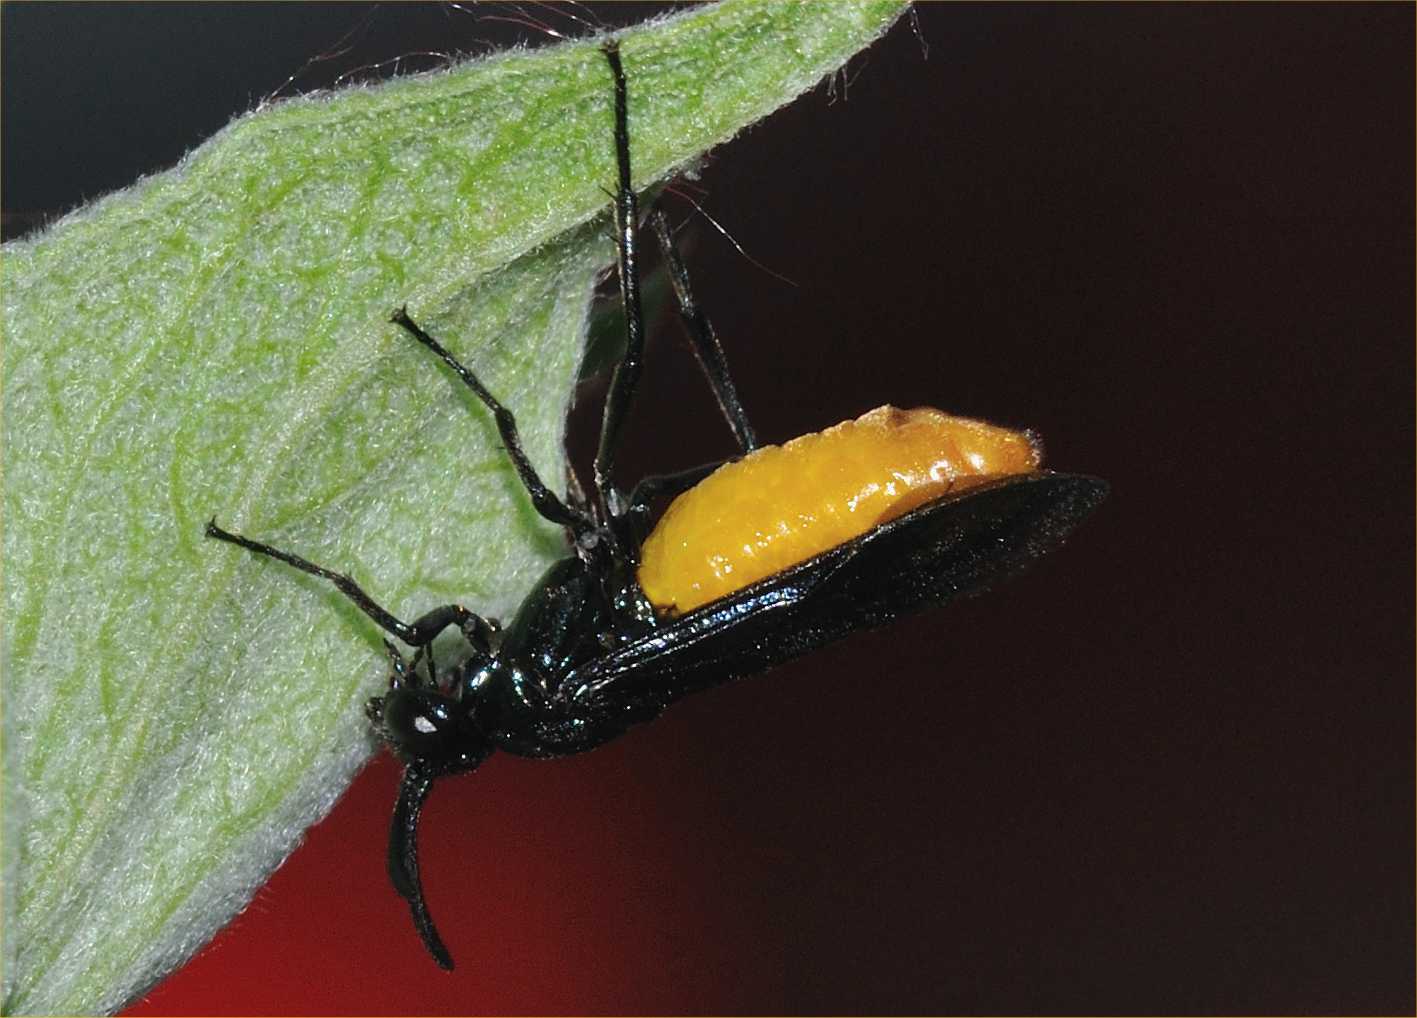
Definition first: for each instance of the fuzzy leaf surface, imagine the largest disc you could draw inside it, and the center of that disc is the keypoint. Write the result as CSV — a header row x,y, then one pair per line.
x,y
215,341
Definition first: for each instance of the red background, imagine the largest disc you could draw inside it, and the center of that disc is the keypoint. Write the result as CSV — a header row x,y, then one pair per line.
x,y
1170,770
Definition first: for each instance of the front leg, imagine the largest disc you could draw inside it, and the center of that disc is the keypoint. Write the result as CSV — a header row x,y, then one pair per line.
x,y
475,630
418,634
485,635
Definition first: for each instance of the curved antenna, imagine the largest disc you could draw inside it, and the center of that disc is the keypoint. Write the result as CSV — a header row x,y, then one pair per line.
x,y
403,857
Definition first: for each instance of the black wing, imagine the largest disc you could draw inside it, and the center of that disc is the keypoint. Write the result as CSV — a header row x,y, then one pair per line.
x,y
940,551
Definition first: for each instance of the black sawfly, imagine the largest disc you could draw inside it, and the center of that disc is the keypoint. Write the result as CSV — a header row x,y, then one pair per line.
x,y
588,654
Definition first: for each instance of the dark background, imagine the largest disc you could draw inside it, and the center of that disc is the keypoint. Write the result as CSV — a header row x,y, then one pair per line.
x,y
1169,770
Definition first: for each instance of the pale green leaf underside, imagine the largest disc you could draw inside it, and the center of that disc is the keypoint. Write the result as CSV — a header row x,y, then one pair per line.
x,y
214,340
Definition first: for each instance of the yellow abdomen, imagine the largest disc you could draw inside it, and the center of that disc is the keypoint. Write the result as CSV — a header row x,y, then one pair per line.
x,y
781,505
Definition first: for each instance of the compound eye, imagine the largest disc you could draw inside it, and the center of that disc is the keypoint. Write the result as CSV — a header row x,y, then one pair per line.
x,y
432,720
424,725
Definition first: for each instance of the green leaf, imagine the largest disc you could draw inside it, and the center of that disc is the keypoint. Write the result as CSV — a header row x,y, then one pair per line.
x,y
215,341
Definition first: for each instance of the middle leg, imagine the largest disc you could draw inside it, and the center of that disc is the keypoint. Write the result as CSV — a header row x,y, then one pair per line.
x,y
542,497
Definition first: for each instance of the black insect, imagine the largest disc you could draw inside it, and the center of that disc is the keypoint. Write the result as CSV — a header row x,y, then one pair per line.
x,y
588,655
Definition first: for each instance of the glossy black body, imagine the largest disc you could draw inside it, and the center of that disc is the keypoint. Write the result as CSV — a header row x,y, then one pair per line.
x,y
572,671
586,656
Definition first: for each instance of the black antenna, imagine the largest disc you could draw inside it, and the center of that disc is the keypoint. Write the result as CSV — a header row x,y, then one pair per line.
x,y
403,858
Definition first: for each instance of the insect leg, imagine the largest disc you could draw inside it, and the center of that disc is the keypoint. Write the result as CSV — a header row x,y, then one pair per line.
x,y
702,338
420,633
405,673
636,516
476,630
542,497
627,373
657,485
